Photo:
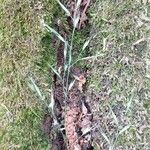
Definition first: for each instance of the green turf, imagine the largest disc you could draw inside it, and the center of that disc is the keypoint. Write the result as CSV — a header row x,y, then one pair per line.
x,y
119,76
23,45
122,39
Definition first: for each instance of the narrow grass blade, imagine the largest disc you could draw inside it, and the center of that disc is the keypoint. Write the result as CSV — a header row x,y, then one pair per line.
x,y
70,59
52,103
78,4
64,8
86,58
6,108
35,88
76,21
85,44
105,137
124,129
130,102
56,72
65,67
65,50
86,130
83,48
71,85
104,43
54,32
114,116
59,70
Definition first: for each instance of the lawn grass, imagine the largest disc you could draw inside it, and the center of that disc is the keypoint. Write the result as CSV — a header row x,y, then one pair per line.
x,y
120,76
26,50
21,50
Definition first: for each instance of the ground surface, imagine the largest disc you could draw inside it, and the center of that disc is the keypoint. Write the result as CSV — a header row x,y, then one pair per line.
x,y
118,83
23,45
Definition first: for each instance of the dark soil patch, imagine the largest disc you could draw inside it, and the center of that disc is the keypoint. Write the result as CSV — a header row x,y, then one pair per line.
x,y
71,111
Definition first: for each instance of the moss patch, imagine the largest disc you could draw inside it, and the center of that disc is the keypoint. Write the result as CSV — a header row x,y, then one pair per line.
x,y
20,37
